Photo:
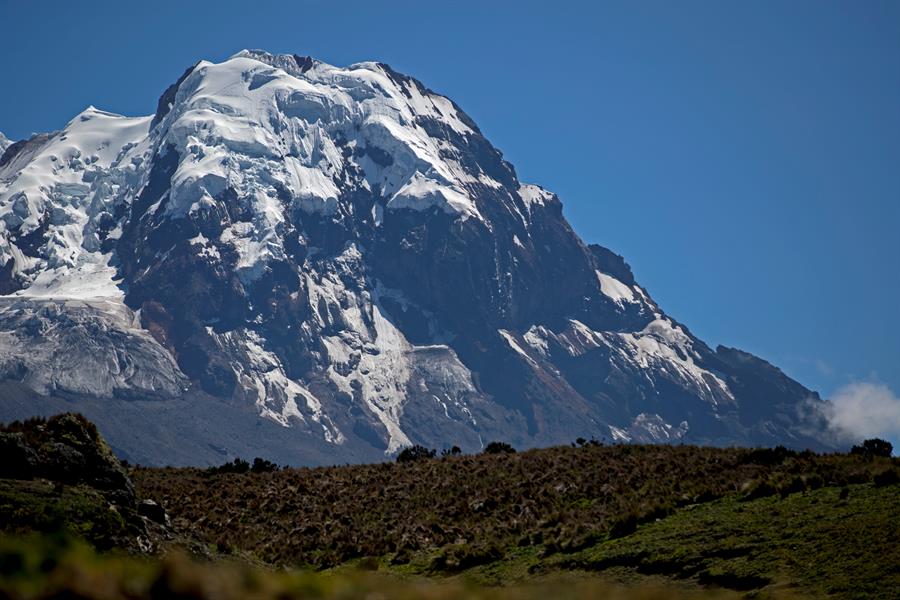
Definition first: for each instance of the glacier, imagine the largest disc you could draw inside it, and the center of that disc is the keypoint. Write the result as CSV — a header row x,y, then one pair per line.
x,y
339,253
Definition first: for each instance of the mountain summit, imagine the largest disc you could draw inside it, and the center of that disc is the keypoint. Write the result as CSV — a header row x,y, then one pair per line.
x,y
321,264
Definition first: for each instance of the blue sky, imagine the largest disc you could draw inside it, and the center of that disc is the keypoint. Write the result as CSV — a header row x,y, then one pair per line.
x,y
743,156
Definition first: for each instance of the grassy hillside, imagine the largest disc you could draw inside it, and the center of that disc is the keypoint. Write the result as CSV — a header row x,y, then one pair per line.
x,y
59,475
824,542
473,509
580,522
806,545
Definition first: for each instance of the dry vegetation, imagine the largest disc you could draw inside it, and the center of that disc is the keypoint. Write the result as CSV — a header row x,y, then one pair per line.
x,y
577,522
469,510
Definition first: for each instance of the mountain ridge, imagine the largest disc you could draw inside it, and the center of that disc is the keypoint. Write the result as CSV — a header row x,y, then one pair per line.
x,y
342,252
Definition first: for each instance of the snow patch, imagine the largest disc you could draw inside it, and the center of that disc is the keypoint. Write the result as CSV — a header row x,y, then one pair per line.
x,y
514,344
614,289
536,337
661,345
68,184
652,428
91,279
534,195
618,434
278,398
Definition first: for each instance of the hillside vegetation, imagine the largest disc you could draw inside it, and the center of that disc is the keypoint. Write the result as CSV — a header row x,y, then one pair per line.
x,y
59,475
472,509
586,521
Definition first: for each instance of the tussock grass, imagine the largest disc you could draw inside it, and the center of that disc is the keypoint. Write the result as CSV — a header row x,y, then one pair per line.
x,y
590,521
469,510
837,542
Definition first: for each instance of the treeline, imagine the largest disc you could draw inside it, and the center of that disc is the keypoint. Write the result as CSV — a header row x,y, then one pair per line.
x,y
418,452
870,448
239,465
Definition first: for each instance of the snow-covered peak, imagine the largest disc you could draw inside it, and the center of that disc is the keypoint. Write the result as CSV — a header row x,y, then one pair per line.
x,y
278,134
290,63
274,133
58,191
68,160
342,249
267,122
5,143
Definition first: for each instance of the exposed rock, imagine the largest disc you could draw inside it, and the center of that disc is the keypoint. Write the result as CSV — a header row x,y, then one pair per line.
x,y
20,461
153,511
339,252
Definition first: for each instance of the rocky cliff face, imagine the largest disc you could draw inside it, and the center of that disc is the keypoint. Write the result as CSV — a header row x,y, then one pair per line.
x,y
341,254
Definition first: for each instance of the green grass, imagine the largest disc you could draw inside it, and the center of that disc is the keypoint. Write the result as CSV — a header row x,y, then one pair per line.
x,y
593,521
43,506
839,542
464,511
808,544
814,541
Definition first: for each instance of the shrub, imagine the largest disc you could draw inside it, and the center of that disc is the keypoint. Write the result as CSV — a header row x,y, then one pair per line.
x,y
499,448
768,457
794,486
414,453
454,451
583,443
261,465
761,489
238,465
410,512
886,477
459,557
874,447
624,525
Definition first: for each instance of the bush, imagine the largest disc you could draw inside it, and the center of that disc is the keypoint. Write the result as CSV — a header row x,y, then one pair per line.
x,y
454,451
241,466
410,512
795,486
459,557
414,453
499,448
238,465
768,457
761,489
583,443
874,447
887,477
261,465
624,525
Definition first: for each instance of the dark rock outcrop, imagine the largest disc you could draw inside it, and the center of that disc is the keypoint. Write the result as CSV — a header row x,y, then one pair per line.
x,y
65,448
342,253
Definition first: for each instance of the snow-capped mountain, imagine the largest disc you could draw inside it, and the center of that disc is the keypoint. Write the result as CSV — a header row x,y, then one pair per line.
x,y
323,264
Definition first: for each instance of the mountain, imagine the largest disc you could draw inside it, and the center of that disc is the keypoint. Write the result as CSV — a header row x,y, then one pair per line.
x,y
320,264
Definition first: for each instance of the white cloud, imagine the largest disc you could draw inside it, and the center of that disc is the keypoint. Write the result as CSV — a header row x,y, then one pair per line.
x,y
863,410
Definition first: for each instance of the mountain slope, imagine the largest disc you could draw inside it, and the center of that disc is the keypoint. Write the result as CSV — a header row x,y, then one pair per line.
x,y
341,252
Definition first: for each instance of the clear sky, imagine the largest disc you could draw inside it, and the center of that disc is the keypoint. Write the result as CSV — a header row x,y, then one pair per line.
x,y
743,156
